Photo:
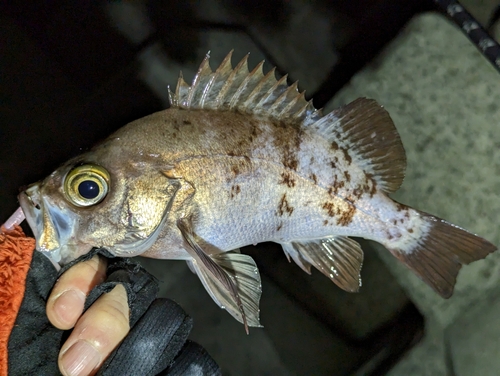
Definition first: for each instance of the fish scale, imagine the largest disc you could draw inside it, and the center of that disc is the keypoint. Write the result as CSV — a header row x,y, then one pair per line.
x,y
242,158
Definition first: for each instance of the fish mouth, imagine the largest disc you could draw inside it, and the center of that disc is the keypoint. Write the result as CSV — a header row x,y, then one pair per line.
x,y
50,226
29,201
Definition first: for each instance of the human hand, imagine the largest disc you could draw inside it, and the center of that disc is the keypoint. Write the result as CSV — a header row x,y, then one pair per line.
x,y
99,330
156,344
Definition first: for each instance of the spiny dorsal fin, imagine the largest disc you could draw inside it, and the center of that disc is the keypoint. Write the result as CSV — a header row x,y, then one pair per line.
x,y
244,91
363,127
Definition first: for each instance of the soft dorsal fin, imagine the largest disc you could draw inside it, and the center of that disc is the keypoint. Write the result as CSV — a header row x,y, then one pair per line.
x,y
363,127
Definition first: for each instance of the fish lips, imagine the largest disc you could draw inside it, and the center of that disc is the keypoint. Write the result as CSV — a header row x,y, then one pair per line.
x,y
52,226
29,201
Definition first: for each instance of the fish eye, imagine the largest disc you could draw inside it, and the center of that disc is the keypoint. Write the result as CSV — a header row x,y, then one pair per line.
x,y
86,185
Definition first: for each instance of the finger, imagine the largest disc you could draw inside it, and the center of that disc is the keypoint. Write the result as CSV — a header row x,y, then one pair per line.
x,y
101,328
65,304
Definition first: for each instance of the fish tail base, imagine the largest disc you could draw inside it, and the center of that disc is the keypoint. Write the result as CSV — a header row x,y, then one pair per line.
x,y
440,253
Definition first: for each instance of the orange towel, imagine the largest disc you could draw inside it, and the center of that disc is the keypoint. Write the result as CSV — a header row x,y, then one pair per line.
x,y
16,251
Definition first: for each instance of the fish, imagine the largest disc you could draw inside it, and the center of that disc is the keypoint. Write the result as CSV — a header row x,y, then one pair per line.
x,y
239,158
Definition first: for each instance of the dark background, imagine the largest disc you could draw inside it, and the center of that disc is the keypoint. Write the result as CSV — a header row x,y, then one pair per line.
x,y
71,72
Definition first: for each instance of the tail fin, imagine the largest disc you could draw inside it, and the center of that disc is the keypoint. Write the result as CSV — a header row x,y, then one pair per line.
x,y
438,256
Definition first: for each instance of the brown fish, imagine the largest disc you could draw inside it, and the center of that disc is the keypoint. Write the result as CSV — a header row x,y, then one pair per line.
x,y
241,158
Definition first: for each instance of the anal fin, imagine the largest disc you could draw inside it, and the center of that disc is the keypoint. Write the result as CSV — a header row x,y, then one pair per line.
x,y
338,257
231,279
294,252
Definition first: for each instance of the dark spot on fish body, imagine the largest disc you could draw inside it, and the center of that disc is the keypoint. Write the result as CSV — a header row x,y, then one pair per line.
x,y
394,222
329,207
287,139
311,161
347,176
287,178
284,207
400,207
289,161
410,230
240,164
235,190
280,124
314,178
332,164
279,226
255,129
346,216
174,135
186,122
333,190
392,236
325,222
373,189
334,145
343,217
235,169
358,192
298,138
347,157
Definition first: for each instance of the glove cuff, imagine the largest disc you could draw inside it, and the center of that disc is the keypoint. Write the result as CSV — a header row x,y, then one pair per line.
x,y
16,252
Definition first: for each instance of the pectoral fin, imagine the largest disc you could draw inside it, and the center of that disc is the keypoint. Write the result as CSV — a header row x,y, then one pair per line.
x,y
338,257
231,279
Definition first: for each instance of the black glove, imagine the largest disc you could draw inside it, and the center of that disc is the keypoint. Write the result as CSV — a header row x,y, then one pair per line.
x,y
156,344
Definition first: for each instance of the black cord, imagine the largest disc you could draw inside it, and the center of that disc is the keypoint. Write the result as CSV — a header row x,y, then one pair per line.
x,y
495,16
471,27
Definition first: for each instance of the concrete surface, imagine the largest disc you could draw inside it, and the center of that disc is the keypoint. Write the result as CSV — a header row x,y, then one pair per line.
x,y
443,97
474,340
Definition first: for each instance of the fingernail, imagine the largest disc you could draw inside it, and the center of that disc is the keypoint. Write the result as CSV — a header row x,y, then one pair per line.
x,y
69,306
80,359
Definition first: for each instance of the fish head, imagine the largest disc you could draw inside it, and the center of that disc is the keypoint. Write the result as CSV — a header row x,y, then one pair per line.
x,y
114,203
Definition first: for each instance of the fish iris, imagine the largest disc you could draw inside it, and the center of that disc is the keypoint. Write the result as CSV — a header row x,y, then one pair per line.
x,y
86,185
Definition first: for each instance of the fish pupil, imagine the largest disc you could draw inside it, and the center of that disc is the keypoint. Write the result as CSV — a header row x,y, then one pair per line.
x,y
88,189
